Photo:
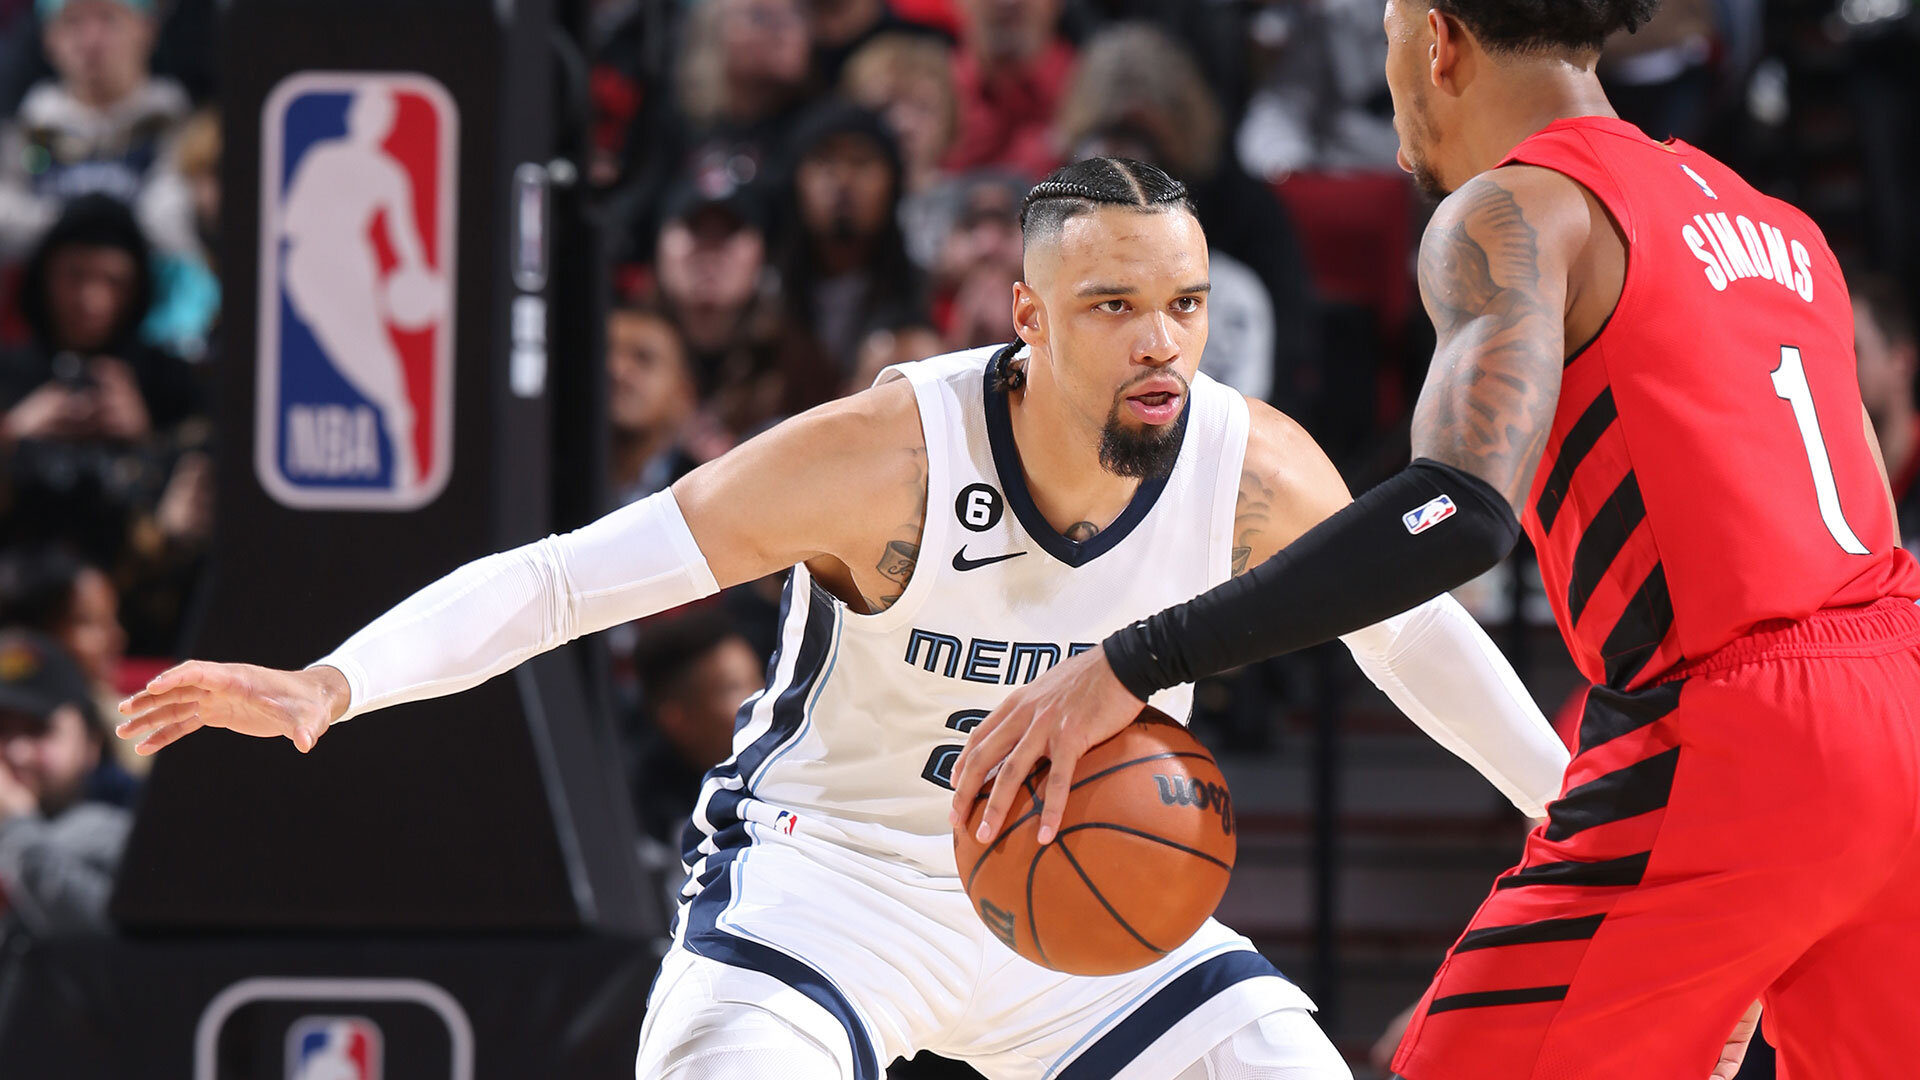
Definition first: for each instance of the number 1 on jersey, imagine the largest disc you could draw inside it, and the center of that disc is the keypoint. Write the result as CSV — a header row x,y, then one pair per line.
x,y
1790,383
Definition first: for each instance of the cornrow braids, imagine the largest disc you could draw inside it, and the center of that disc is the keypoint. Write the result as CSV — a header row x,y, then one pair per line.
x,y
1086,185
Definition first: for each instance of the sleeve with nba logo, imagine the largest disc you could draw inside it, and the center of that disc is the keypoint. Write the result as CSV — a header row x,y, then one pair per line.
x,y
491,614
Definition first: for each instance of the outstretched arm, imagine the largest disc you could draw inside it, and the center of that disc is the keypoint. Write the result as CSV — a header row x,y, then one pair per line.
x,y
1494,268
788,496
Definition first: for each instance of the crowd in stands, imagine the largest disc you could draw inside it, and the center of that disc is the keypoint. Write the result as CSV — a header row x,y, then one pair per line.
x,y
801,193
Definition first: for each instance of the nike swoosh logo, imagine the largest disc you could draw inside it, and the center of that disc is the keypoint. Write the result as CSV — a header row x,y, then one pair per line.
x,y
963,564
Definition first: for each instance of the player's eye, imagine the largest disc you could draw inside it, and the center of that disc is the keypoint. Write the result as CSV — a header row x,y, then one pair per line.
x,y
1112,307
1187,305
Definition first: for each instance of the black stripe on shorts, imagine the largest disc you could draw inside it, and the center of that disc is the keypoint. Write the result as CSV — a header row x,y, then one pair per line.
x,y
1640,788
1532,933
1605,873
1525,995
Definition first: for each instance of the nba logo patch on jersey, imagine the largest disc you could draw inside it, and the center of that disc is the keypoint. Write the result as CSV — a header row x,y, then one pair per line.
x,y
354,405
333,1048
1433,513
1701,180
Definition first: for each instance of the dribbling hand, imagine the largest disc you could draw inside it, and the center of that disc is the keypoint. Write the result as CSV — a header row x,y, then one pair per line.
x,y
258,701
1068,711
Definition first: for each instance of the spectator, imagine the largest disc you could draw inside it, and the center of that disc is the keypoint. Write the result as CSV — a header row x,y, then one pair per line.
x,y
1319,102
94,419
841,28
186,285
714,281
1138,93
1884,346
846,268
694,669
1012,69
979,261
58,848
1659,77
742,82
883,348
99,127
651,400
51,591
909,82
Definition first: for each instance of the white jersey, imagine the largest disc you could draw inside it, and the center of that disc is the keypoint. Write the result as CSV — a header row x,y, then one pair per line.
x,y
854,738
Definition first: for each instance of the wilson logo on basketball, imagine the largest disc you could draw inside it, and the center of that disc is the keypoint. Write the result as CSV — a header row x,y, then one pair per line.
x,y
1186,791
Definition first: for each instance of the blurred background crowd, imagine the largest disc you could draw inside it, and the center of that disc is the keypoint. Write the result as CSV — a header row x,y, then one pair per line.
x,y
796,194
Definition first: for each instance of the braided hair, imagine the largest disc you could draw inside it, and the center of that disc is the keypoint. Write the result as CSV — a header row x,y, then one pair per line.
x,y
1083,186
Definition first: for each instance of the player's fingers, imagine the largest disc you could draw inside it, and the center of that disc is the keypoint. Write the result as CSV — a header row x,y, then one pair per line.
x,y
985,748
157,717
167,736
1006,786
142,704
1059,787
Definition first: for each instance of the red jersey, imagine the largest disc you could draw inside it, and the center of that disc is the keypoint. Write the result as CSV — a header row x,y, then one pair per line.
x,y
1707,468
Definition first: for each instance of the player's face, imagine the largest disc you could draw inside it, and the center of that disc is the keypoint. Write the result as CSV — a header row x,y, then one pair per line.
x,y
1119,317
1409,41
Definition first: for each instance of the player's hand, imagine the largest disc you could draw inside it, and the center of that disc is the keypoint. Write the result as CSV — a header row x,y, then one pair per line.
x,y
1068,711
263,702
1736,1049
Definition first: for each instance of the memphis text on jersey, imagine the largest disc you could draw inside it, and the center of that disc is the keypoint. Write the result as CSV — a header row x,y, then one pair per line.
x,y
982,660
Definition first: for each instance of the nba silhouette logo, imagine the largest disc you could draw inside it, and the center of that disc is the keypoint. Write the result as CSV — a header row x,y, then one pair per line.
x,y
354,406
333,1048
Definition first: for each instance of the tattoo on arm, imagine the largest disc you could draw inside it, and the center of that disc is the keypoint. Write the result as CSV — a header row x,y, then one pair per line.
x,y
1081,531
903,552
1251,518
1499,316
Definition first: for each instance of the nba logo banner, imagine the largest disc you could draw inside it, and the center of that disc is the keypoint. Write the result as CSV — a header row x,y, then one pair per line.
x,y
354,406
333,1048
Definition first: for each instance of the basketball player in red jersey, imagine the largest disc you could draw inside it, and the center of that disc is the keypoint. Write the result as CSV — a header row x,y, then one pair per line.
x,y
1649,366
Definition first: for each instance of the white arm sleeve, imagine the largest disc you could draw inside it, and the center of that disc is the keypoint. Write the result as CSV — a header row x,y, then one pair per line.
x,y
1443,671
493,613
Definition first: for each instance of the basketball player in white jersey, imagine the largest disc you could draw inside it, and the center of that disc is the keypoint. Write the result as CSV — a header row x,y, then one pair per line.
x,y
952,532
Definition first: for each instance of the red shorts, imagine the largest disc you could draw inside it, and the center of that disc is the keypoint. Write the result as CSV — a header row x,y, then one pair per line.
x,y
1748,829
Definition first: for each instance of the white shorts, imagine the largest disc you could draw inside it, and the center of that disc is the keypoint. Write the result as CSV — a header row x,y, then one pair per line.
x,y
878,961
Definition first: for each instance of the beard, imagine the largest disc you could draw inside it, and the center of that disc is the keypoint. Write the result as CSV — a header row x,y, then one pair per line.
x,y
1145,452
1422,136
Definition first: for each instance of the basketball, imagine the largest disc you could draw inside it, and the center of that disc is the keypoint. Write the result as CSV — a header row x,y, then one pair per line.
x,y
1140,862
415,298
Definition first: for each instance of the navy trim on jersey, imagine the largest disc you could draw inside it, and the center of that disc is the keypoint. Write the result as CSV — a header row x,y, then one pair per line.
x,y
705,938
1006,462
1156,1016
789,714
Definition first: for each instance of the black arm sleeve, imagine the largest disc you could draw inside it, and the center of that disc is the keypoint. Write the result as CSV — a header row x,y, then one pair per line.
x,y
1425,530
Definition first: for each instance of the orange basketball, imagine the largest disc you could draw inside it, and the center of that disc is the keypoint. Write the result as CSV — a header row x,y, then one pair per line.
x,y
1141,860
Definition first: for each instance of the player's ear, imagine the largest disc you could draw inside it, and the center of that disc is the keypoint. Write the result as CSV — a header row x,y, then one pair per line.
x,y
1028,315
1446,51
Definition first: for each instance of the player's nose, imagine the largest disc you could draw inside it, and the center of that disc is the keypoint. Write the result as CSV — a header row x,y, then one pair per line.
x,y
1157,345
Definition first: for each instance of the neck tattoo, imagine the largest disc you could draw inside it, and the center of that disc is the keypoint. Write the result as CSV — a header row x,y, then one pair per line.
x,y
1082,531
